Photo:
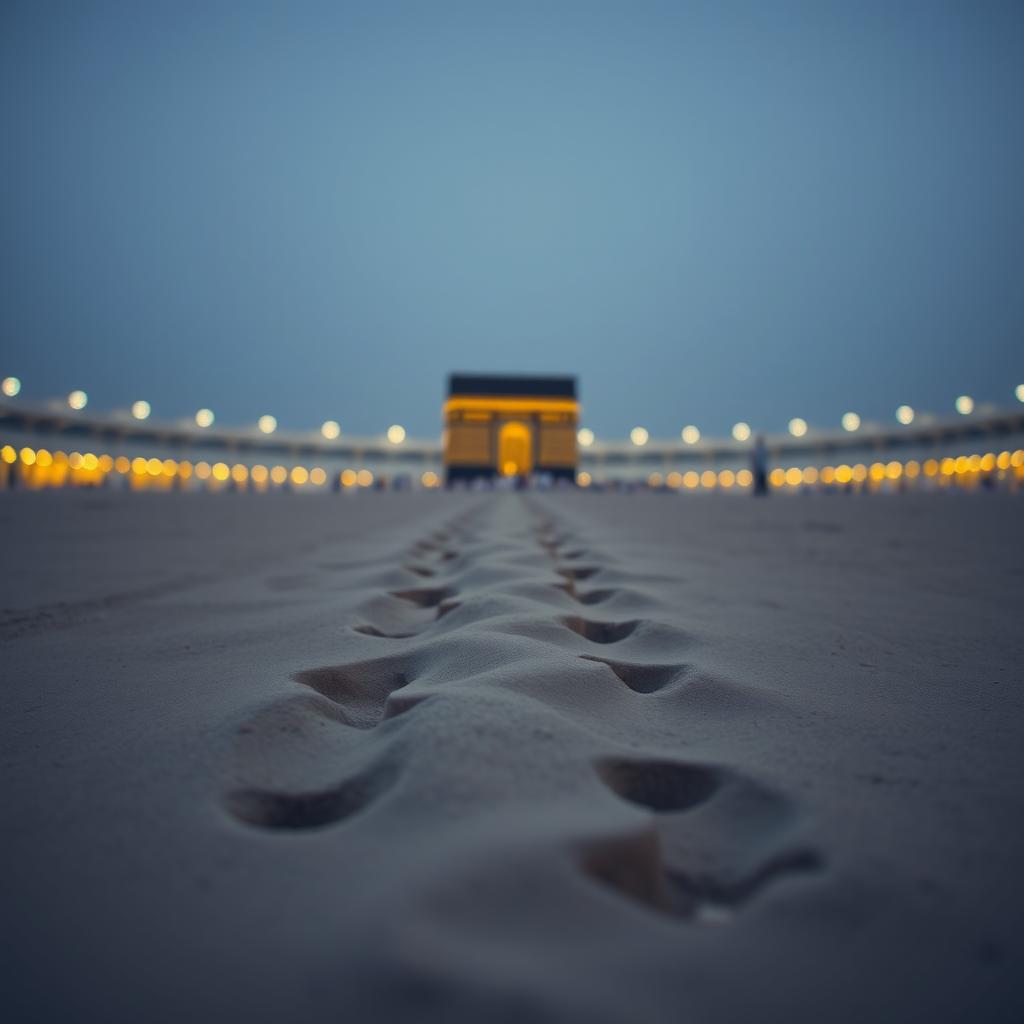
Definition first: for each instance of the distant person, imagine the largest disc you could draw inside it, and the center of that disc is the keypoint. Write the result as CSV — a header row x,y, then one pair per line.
x,y
759,466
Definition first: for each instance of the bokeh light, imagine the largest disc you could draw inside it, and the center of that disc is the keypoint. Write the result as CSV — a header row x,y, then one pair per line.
x,y
204,418
851,422
396,434
639,436
141,409
797,426
267,424
965,405
78,400
10,386
905,414
741,431
690,434
331,429
585,436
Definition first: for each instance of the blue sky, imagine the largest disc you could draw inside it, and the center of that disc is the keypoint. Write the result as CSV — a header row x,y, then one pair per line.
x,y
708,212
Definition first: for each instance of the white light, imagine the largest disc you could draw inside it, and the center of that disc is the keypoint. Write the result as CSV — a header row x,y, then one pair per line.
x,y
11,386
797,426
851,422
204,418
267,424
585,436
396,434
78,399
691,435
1019,392
965,405
141,409
905,414
741,431
639,436
331,429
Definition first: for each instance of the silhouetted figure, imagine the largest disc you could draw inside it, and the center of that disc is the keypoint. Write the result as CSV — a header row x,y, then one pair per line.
x,y
759,466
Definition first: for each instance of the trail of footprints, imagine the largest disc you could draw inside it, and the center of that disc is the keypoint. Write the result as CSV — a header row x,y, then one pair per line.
x,y
716,836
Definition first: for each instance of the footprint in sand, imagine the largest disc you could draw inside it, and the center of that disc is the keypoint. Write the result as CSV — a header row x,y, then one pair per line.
x,y
715,841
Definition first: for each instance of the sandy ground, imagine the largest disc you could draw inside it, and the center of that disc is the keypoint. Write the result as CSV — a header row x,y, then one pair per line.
x,y
563,757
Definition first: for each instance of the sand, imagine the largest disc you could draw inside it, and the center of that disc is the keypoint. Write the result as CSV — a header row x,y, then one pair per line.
x,y
541,757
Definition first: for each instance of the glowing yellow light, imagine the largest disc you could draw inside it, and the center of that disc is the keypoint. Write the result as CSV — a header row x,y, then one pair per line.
x,y
239,473
828,474
317,477
203,470
726,478
349,478
106,463
931,467
905,414
851,422
122,464
585,437
90,462
639,436
155,467
204,418
1003,460
859,473
974,463
794,476
75,461
709,478
139,464
962,464
509,468
797,427
948,466
965,405
278,475
28,456
170,467
777,477
78,399
894,470
1017,458
220,471
741,431
744,478
430,479
330,429
690,434
267,424
583,479
10,386
1019,392
810,475
691,478
877,471
988,462
259,474
674,479
364,478
844,474
396,433
654,480
141,409
185,470
10,456
912,469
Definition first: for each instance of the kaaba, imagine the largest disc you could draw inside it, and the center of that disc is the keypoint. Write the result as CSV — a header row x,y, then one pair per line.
x,y
510,426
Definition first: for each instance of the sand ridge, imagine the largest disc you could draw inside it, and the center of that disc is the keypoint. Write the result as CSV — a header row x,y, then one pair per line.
x,y
492,596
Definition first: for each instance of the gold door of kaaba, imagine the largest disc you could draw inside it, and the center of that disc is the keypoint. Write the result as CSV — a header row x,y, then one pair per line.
x,y
510,426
